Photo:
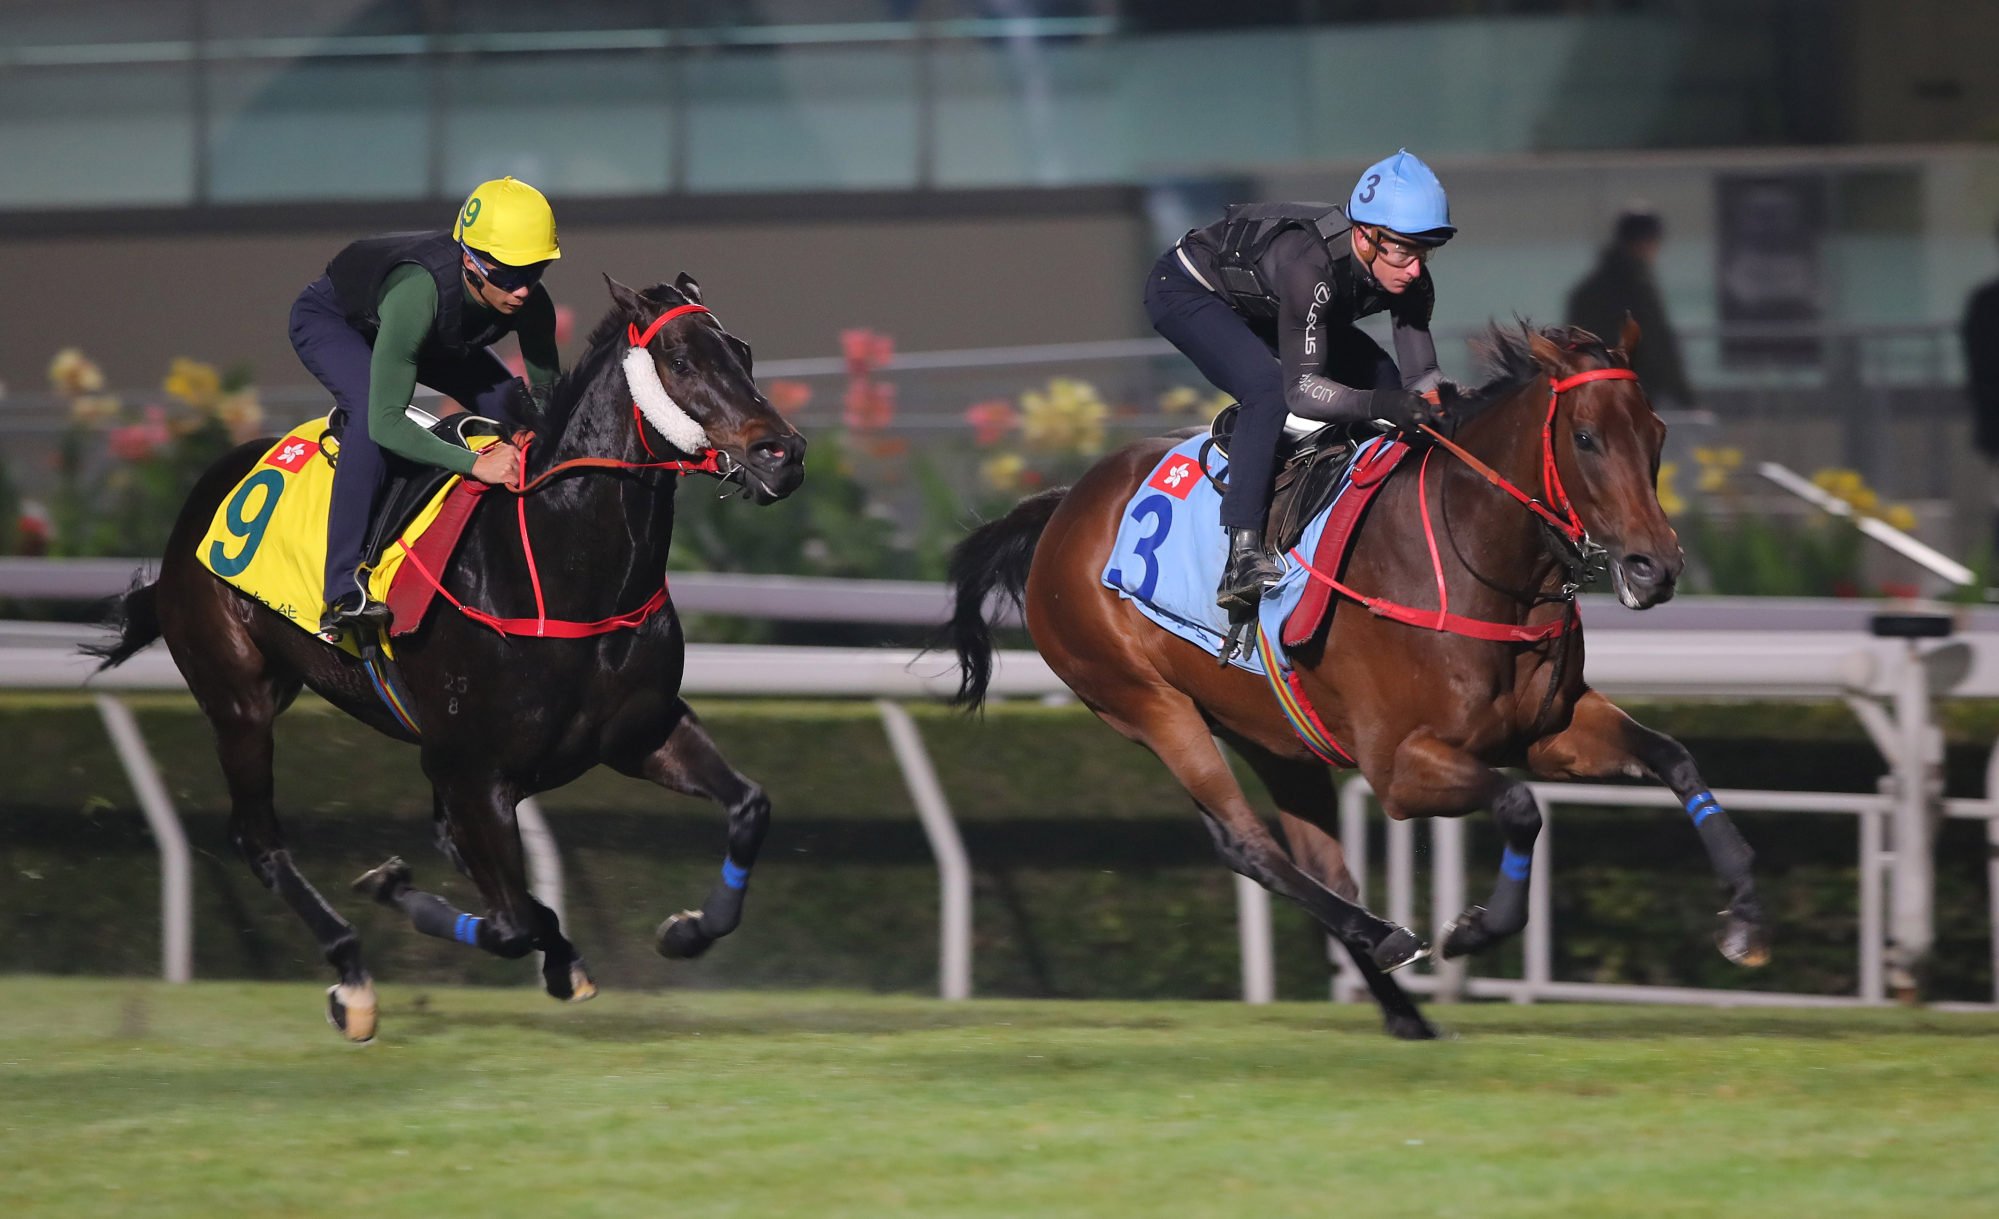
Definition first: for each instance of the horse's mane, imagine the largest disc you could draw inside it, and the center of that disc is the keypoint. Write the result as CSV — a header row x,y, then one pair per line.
x,y
1507,358
598,346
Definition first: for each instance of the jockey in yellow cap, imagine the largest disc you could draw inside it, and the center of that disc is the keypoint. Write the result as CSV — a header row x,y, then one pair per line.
x,y
396,310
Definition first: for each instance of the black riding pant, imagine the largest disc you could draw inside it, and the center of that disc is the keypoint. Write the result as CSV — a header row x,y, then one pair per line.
x,y
1243,364
340,357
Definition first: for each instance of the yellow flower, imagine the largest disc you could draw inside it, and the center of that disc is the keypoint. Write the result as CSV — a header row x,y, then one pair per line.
x,y
1067,417
1180,399
1901,516
1864,500
1002,472
72,373
193,382
1216,405
1669,499
94,410
1842,484
241,413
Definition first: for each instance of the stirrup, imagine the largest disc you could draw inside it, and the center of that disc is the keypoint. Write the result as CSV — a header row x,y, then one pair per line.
x,y
1237,643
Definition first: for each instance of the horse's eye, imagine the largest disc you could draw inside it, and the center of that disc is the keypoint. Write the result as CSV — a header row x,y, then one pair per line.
x,y
680,366
1585,442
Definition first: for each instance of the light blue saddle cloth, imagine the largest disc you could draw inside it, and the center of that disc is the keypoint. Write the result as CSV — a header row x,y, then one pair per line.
x,y
1171,550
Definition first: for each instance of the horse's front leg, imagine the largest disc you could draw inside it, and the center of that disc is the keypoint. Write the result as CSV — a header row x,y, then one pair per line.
x,y
478,832
688,762
1432,778
1600,742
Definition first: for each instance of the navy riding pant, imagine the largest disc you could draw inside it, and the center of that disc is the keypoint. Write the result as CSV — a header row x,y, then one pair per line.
x,y
339,355
1242,364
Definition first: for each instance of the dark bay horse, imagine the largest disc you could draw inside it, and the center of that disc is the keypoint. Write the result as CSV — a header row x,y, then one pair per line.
x,y
1427,714
502,717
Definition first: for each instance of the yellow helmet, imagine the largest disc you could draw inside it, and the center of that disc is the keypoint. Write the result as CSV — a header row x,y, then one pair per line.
x,y
509,220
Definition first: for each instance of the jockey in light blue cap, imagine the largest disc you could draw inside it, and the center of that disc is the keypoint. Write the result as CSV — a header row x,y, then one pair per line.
x,y
1263,302
1402,195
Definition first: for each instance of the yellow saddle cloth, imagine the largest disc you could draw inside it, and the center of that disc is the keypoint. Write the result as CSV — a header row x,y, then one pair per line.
x,y
268,538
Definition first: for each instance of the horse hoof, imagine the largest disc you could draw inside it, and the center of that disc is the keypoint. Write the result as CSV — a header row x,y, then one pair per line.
x,y
351,1009
1401,947
1742,941
1466,934
1409,1028
581,988
680,937
386,882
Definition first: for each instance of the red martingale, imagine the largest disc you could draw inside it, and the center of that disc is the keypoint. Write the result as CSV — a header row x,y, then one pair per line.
x,y
541,626
1338,535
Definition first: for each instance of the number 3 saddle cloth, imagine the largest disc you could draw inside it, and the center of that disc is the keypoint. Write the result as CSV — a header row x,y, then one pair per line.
x,y
1171,549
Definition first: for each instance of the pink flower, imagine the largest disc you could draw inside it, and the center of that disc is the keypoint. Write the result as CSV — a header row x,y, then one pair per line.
x,y
565,323
991,420
139,441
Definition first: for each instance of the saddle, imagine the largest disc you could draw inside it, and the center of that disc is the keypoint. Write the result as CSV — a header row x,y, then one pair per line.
x,y
411,486
1311,457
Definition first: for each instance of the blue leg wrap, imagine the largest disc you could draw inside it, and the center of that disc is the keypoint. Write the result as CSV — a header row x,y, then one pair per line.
x,y
1515,866
466,930
1702,805
733,876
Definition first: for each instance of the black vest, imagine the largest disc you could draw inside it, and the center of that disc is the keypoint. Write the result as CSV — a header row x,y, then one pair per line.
x,y
1245,232
357,273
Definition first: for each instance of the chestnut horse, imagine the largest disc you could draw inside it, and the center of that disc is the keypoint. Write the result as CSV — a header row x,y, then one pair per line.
x,y
1427,713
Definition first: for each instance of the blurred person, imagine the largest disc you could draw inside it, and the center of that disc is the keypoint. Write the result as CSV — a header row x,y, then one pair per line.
x,y
1264,301
403,308
1623,282
1979,332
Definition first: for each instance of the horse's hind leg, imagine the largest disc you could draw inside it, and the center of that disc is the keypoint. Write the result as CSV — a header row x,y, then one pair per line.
x,y
1601,742
688,762
1303,792
242,717
564,975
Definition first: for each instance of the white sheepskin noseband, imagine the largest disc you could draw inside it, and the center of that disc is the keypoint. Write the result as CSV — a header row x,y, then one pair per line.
x,y
658,406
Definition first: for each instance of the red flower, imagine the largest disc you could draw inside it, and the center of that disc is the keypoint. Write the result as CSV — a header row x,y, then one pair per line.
x,y
991,420
870,404
788,397
565,323
865,350
139,441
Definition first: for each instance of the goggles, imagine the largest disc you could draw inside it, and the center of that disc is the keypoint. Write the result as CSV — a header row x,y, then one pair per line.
x,y
502,276
1396,252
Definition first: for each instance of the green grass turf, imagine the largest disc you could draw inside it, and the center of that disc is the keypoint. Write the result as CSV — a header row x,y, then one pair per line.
x,y
134,1098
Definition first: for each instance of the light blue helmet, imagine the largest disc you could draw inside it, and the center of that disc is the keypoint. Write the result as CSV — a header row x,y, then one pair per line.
x,y
1402,194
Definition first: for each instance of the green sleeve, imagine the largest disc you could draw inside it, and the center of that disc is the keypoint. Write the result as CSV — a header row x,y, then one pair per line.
x,y
536,332
408,308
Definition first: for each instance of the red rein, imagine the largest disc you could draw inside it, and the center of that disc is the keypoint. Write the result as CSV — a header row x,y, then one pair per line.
x,y
1568,524
541,626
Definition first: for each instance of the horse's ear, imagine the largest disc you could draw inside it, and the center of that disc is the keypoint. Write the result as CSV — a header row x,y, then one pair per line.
x,y
634,305
688,288
1627,338
1545,352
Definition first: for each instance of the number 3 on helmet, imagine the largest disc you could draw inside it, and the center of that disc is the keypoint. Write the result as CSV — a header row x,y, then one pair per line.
x,y
1402,195
510,221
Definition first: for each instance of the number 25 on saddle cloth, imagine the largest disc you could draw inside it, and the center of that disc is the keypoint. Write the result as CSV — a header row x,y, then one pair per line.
x,y
268,538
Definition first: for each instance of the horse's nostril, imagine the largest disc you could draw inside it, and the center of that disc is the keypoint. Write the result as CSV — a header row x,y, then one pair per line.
x,y
769,453
1640,567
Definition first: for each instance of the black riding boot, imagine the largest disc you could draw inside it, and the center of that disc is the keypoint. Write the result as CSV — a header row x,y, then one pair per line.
x,y
353,610
1249,572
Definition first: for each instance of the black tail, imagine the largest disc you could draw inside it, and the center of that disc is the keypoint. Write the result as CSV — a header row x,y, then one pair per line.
x,y
136,618
996,555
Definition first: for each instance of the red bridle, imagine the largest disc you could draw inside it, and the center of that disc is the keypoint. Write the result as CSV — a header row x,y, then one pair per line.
x,y
541,625
1569,525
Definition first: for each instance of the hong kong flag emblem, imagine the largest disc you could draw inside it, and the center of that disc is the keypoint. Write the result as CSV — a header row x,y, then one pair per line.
x,y
1177,477
292,454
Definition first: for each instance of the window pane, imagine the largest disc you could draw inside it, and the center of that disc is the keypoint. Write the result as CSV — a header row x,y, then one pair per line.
x,y
96,136
319,129
768,119
570,124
